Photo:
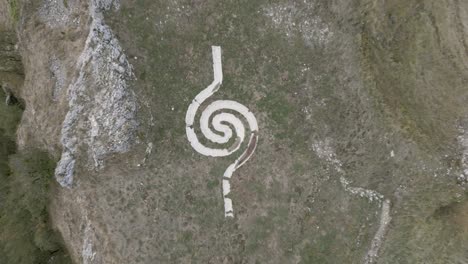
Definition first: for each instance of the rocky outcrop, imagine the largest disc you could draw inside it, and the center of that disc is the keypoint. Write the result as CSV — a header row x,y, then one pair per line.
x,y
102,107
85,78
80,106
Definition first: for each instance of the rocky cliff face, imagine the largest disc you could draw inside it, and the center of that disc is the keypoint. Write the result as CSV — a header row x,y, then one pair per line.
x,y
362,120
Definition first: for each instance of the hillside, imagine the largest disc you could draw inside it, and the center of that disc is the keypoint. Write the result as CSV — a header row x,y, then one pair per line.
x,y
343,128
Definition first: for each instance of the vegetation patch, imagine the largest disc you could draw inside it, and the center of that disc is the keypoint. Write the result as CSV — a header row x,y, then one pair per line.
x,y
26,235
14,10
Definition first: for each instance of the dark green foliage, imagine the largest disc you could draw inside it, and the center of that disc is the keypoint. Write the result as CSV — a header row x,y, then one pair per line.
x,y
10,116
26,236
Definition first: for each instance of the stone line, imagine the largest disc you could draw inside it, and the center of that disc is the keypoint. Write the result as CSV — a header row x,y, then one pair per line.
x,y
376,244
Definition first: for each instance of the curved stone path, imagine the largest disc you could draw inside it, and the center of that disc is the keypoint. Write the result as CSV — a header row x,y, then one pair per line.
x,y
223,123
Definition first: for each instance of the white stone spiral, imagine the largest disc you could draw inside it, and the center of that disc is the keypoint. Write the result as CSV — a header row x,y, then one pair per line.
x,y
223,124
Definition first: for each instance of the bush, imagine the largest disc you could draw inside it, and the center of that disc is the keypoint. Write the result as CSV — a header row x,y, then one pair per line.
x,y
26,236
10,116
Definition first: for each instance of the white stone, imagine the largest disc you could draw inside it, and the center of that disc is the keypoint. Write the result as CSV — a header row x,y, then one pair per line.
x,y
215,112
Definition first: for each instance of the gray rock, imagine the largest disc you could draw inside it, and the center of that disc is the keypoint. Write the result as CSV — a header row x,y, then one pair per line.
x,y
102,106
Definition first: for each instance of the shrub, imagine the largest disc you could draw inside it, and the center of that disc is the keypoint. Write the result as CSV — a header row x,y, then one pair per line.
x,y
26,236
10,116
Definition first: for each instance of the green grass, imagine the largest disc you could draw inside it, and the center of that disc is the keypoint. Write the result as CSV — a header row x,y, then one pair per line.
x,y
320,252
14,10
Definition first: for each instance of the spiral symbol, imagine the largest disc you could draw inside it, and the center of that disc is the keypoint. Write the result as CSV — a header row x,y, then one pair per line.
x,y
223,123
